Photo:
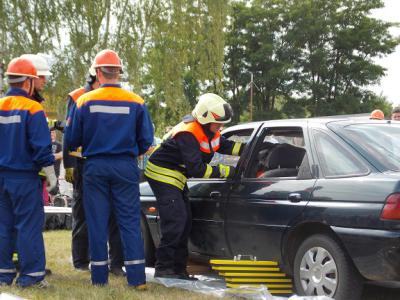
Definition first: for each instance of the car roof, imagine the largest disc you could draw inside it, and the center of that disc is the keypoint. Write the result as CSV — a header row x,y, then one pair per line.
x,y
343,120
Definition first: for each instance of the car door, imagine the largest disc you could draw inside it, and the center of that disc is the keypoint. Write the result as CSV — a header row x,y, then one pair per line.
x,y
208,198
262,205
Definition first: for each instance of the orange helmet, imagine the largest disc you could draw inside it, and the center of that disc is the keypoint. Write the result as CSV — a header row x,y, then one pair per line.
x,y
22,68
107,58
377,114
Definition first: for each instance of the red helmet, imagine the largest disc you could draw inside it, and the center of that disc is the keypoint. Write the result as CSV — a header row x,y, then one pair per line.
x,y
377,114
107,58
21,67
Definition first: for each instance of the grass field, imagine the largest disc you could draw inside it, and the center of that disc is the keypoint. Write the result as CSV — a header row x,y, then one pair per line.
x,y
65,283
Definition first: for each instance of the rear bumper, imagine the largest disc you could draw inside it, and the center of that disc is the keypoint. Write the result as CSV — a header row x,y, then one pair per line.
x,y
376,253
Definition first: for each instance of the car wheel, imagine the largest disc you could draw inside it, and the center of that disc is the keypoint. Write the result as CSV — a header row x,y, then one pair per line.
x,y
149,248
321,267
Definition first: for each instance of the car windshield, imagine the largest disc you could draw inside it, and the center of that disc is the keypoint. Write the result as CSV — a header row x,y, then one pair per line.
x,y
379,142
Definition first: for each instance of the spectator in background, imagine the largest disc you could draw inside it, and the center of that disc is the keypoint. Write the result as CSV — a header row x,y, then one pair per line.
x,y
396,113
56,148
377,114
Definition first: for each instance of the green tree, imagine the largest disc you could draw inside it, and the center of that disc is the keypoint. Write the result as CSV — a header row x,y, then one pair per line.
x,y
308,57
336,42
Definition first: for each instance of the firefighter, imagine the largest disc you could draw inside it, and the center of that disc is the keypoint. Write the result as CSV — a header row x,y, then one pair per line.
x,y
377,114
43,72
73,164
186,152
26,150
113,127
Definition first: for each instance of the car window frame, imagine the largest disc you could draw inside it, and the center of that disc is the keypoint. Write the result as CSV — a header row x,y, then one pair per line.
x,y
261,135
242,158
342,144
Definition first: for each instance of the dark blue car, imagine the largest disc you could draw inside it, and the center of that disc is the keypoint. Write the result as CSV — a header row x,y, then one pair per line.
x,y
320,196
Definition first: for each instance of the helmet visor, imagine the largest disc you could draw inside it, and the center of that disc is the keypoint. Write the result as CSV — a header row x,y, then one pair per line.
x,y
227,115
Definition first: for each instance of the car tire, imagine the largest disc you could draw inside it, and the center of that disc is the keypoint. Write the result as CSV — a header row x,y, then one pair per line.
x,y
149,248
321,267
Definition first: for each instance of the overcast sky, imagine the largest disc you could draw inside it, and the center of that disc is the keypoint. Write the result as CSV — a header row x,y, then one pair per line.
x,y
390,84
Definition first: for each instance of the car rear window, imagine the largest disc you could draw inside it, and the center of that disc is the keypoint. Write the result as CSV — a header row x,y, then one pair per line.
x,y
377,142
335,160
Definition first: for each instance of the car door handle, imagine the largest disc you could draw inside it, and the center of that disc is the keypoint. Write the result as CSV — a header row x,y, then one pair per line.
x,y
295,197
215,194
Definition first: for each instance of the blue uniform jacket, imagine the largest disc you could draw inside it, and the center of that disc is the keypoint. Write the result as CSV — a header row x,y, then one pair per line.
x,y
25,144
110,121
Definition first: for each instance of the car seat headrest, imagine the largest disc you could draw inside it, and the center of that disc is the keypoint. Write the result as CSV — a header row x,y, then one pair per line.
x,y
285,156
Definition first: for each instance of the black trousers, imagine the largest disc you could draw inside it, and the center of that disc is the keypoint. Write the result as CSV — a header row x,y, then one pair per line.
x,y
80,239
175,225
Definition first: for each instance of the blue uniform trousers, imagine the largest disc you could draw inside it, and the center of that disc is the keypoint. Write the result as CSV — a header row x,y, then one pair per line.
x,y
21,211
111,183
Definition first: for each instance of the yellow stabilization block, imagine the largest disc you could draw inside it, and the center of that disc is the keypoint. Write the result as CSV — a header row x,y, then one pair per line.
x,y
239,273
230,274
259,280
242,262
272,291
230,268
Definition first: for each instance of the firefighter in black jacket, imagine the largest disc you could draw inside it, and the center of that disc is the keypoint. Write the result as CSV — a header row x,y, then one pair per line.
x,y
186,152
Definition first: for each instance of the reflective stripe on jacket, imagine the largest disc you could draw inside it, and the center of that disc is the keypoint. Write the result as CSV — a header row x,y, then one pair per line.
x,y
24,134
186,152
110,121
198,132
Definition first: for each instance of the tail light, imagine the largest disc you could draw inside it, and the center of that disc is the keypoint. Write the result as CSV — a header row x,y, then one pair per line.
x,y
391,210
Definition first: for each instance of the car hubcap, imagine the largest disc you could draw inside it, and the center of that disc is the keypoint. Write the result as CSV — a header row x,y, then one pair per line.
x,y
318,272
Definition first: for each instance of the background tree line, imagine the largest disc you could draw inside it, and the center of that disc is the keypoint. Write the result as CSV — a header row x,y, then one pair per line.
x,y
308,57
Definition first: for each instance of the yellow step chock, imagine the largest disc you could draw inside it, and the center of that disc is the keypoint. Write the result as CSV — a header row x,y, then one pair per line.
x,y
253,273
231,268
259,280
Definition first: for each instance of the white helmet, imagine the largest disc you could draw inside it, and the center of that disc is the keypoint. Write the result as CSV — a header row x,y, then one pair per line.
x,y
92,70
40,64
211,108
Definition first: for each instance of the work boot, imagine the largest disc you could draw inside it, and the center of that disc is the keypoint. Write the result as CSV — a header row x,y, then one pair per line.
x,y
48,272
167,273
185,276
140,287
43,284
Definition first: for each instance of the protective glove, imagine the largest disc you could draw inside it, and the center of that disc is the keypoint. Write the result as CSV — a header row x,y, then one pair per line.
x,y
69,175
51,123
226,171
51,180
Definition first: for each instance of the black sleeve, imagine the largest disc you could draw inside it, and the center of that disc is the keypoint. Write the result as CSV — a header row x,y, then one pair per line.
x,y
230,148
68,160
192,158
59,147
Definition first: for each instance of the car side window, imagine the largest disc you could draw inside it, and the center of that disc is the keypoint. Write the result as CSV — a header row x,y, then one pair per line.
x,y
240,136
335,160
280,152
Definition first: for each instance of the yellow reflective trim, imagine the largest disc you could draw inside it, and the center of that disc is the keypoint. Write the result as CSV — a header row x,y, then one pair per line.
x,y
163,178
236,149
208,171
164,171
224,171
